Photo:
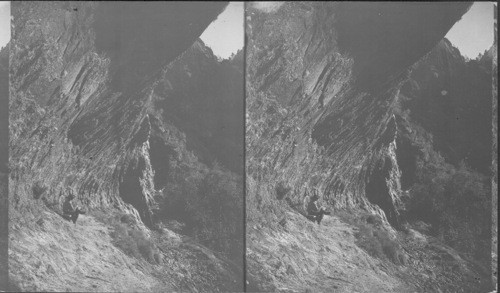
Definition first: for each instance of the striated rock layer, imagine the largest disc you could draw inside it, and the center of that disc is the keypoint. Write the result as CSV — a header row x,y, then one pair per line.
x,y
107,99
334,103
83,78
322,79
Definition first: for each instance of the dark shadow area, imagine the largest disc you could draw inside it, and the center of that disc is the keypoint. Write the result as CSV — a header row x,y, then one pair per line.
x,y
139,48
204,97
386,37
209,206
451,98
377,192
131,191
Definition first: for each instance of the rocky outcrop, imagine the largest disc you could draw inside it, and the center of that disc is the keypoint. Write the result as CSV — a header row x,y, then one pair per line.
x,y
320,94
83,77
336,102
107,100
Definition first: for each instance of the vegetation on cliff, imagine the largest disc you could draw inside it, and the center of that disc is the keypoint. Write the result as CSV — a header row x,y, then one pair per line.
x,y
108,99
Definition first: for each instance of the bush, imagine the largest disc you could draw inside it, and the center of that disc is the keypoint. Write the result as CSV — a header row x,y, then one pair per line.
x,y
123,241
282,191
368,241
210,204
391,248
378,243
372,236
128,219
38,189
217,213
131,240
374,220
144,245
456,202
158,257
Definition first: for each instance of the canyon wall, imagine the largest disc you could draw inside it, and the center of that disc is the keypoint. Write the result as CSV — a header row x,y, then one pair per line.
x,y
85,112
322,82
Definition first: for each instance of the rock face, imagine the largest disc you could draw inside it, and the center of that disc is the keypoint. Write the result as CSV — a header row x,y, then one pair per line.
x,y
116,101
328,85
321,89
84,83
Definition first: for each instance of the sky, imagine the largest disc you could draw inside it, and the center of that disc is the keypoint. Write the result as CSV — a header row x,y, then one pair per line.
x,y
4,23
225,35
473,34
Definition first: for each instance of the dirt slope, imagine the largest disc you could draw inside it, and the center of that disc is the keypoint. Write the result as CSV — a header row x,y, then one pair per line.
x,y
88,116
56,255
61,256
323,258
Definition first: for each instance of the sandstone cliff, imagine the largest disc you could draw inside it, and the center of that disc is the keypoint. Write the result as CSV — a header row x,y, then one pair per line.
x,y
320,97
323,88
107,99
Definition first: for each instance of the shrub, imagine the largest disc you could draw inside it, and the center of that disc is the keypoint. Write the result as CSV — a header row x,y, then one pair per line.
x,y
368,242
38,189
374,220
282,191
456,202
217,212
128,219
144,245
403,259
124,241
129,239
158,257
210,204
390,247
378,243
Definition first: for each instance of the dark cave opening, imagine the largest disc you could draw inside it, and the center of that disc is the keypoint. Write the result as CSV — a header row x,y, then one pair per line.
x,y
130,190
377,192
137,47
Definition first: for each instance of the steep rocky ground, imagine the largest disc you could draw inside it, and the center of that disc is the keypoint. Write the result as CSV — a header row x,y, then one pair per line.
x,y
107,99
304,256
324,110
299,256
55,255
